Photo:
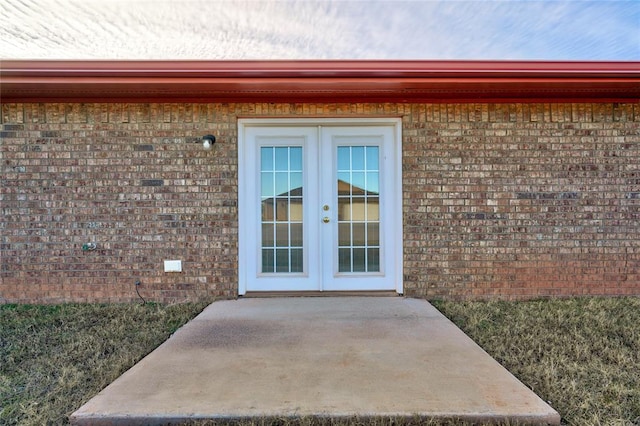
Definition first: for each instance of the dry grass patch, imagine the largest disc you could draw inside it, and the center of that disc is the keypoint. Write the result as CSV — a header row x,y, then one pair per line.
x,y
581,355
56,357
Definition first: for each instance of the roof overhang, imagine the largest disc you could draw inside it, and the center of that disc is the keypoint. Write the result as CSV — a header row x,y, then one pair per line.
x,y
318,81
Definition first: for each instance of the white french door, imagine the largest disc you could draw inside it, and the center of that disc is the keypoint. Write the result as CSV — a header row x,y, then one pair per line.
x,y
319,205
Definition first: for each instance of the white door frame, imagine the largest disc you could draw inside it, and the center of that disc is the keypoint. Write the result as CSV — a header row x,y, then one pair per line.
x,y
246,179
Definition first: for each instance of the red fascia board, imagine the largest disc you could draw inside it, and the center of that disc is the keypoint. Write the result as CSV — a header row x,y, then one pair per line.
x,y
310,81
279,68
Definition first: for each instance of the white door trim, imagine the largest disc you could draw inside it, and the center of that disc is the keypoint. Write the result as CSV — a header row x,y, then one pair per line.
x,y
246,179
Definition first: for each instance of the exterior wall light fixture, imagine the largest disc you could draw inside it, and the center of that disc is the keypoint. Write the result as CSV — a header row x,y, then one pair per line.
x,y
208,141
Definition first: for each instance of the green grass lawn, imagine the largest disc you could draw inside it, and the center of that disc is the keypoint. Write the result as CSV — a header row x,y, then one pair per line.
x,y
581,355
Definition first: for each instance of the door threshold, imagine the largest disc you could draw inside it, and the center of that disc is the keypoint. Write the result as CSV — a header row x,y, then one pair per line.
x,y
374,293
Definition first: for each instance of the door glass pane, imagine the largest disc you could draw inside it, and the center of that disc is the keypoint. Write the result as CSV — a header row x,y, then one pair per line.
x,y
282,209
373,259
282,260
373,234
344,158
372,158
267,235
357,158
358,205
281,183
358,184
282,235
359,260
296,235
358,208
344,187
295,159
372,183
359,234
296,260
282,159
268,209
296,184
344,234
373,208
295,209
268,260
267,184
344,260
344,209
266,159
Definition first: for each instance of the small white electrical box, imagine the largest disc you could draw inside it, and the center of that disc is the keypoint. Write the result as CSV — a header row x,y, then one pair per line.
x,y
173,265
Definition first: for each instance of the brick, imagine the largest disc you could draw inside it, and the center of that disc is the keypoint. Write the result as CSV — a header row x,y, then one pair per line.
x,y
152,182
500,201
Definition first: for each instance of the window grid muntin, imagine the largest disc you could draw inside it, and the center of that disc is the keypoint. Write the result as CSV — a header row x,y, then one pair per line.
x,y
280,169
362,166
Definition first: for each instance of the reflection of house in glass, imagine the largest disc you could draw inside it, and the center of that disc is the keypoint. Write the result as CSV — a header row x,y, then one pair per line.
x,y
283,207
357,204
354,204
358,227
282,237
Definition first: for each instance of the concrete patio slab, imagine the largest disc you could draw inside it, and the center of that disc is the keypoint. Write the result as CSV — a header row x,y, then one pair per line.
x,y
333,356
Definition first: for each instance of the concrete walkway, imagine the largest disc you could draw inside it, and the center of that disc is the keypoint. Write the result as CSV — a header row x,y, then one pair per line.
x,y
349,356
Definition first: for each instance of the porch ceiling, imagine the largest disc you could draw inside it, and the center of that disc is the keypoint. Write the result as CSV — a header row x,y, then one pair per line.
x,y
318,81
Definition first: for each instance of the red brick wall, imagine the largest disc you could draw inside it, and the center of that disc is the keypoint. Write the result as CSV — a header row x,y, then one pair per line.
x,y
500,200
522,201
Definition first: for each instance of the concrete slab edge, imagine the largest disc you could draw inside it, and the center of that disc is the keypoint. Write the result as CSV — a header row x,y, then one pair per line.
x,y
418,418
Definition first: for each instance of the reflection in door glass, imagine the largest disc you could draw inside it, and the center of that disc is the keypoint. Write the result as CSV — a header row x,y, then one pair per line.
x,y
281,204
358,208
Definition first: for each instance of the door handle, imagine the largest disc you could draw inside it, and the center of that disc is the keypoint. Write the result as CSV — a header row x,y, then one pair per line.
x,y
326,219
